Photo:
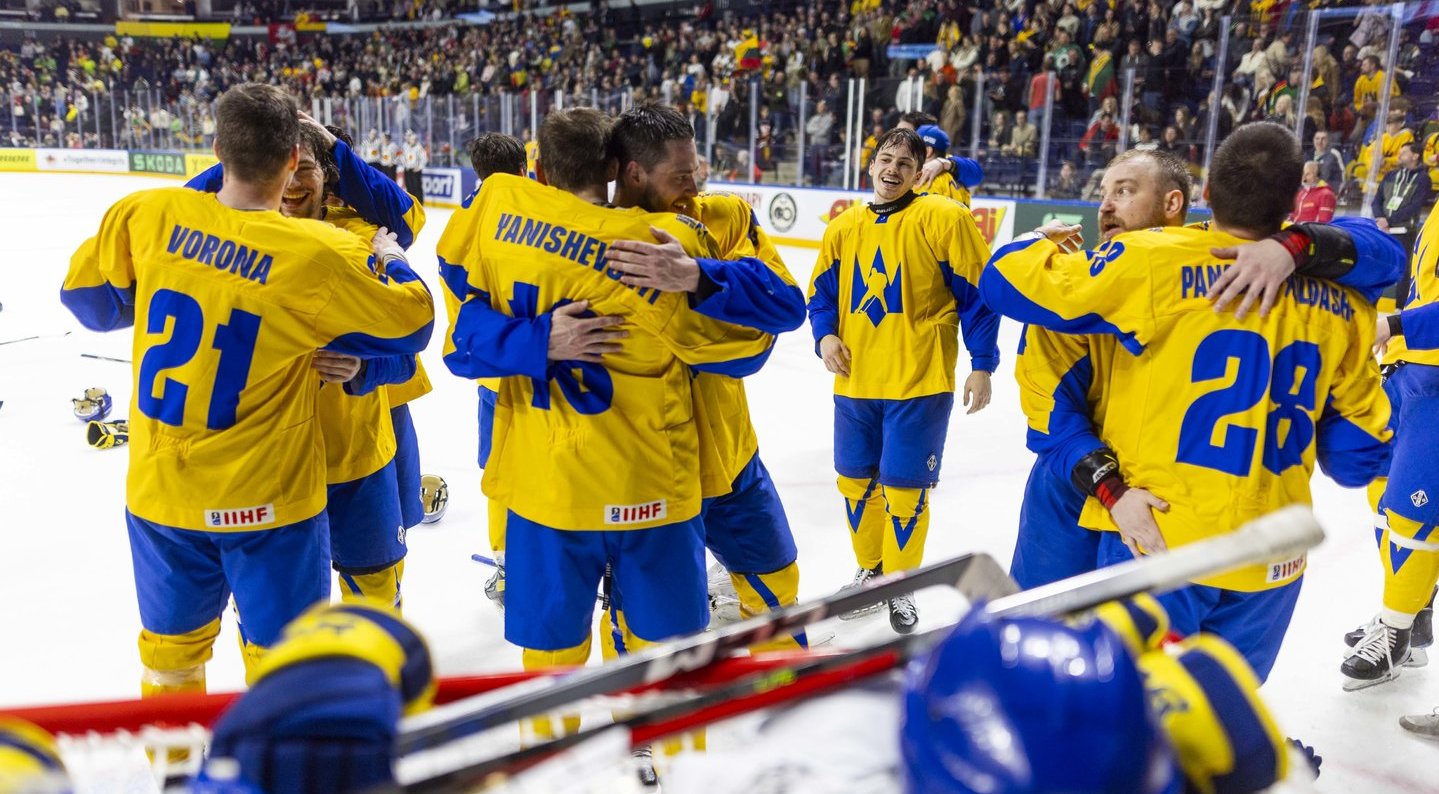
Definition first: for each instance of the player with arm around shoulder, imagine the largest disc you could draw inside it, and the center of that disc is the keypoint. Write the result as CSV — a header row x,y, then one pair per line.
x,y
1306,395
894,284
229,300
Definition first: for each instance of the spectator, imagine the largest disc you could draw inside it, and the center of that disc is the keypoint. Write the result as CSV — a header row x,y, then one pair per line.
x,y
1367,87
1315,200
1171,142
817,136
1404,195
953,113
1254,63
1023,138
1395,136
999,132
1068,184
1330,162
1144,141
1044,84
1099,140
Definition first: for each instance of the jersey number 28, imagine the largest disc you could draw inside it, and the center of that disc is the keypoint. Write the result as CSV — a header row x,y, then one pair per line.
x,y
1289,380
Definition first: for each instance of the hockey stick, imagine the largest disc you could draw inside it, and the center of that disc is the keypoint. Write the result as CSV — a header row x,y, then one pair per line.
x,y
106,358
1283,534
32,338
974,575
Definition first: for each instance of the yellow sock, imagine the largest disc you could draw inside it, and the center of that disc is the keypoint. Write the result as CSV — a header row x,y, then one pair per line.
x,y
864,513
534,661
382,586
763,592
1411,568
907,516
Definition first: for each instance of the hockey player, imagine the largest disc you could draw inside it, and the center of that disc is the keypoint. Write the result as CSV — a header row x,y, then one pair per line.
x,y
620,486
963,173
936,147
371,451
744,520
1407,514
230,300
1058,373
490,153
415,160
894,283
30,762
323,714
1303,388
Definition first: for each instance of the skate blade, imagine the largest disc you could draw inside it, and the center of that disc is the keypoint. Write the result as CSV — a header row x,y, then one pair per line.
x,y
1418,657
863,612
1356,684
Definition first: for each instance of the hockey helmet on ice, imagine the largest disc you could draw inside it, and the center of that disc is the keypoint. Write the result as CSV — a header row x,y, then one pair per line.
x,y
1014,706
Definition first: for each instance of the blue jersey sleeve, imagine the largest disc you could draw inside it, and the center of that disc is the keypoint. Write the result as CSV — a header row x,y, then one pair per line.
x,y
377,372
967,172
208,181
489,344
1348,454
1071,433
1379,259
978,324
376,197
823,304
1421,327
746,292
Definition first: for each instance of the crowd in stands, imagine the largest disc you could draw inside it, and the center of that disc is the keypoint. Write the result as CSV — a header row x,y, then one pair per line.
x,y
1011,61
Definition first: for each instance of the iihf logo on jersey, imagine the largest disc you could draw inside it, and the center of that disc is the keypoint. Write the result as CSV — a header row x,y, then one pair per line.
x,y
1419,498
877,294
932,462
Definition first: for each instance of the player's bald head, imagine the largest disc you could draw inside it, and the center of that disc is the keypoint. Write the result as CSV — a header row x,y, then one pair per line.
x,y
256,129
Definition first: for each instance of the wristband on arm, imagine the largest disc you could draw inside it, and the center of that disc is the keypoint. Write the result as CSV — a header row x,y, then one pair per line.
x,y
1097,474
1319,250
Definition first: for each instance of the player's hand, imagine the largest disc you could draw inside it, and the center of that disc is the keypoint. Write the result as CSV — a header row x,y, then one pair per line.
x,y
1382,335
386,243
577,338
664,267
307,120
335,367
1134,515
929,173
977,390
835,354
1067,236
1258,272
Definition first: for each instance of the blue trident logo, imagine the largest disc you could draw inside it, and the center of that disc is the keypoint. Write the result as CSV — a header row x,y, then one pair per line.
x,y
877,293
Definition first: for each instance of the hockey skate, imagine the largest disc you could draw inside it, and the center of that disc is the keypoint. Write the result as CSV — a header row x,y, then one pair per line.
x,y
1421,636
1377,657
861,576
724,600
903,615
495,587
1426,725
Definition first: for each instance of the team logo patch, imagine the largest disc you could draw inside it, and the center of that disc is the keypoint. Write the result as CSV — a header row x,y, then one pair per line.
x,y
257,516
400,534
932,462
1419,498
1288,569
634,514
783,212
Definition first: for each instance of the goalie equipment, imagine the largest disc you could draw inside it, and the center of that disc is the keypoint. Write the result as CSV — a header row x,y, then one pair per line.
x,y
434,497
95,404
104,435
1068,701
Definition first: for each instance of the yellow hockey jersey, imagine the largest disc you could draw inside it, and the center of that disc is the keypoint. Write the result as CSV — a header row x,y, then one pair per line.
x,y
897,287
1424,286
946,185
726,434
229,307
1221,416
591,446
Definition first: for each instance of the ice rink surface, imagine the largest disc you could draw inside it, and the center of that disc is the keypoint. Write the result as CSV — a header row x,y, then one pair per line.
x,y
68,620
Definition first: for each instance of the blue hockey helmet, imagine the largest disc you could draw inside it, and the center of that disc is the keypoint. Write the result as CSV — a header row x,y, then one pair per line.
x,y
1028,705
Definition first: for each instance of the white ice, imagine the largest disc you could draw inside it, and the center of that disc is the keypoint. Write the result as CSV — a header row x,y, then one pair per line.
x,y
68,619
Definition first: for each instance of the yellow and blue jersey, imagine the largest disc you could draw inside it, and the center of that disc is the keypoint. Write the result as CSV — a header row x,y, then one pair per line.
x,y
946,185
532,157
1060,394
1421,322
897,286
355,418
229,307
753,288
521,249
1224,418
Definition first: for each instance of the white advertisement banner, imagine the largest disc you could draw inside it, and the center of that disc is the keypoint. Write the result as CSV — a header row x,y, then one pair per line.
x,y
443,185
106,160
798,215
